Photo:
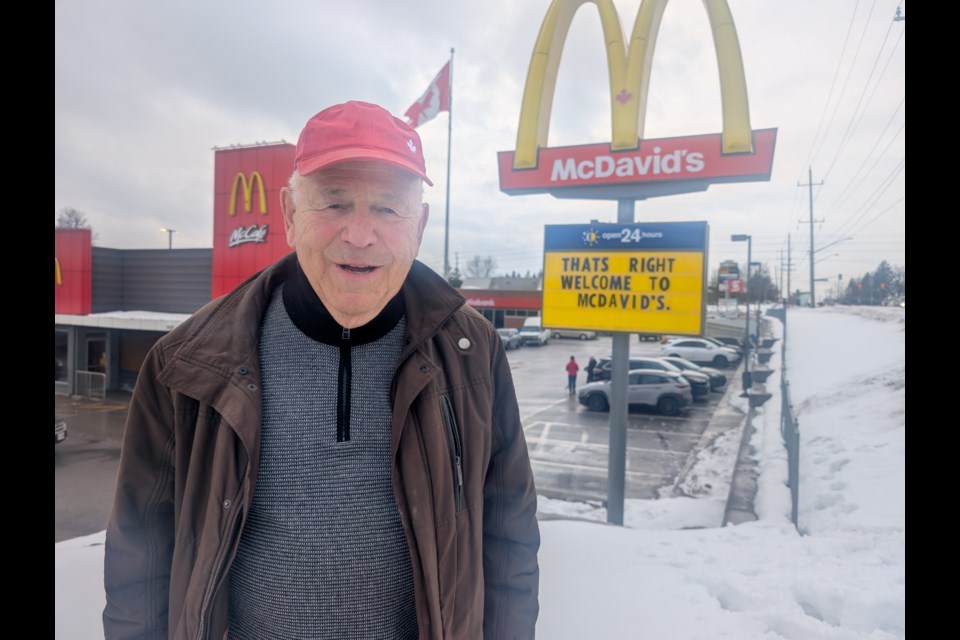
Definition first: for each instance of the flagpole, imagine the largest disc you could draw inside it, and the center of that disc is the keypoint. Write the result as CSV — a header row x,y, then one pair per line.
x,y
446,226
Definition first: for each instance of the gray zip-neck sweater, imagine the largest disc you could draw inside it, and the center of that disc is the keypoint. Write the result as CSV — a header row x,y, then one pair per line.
x,y
323,554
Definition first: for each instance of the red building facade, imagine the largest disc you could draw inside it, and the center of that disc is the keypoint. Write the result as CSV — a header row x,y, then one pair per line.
x,y
248,230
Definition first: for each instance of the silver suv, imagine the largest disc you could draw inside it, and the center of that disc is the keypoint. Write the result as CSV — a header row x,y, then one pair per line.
x,y
669,392
699,382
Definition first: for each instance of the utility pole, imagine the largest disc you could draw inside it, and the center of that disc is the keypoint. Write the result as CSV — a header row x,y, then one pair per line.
x,y
813,299
789,267
780,274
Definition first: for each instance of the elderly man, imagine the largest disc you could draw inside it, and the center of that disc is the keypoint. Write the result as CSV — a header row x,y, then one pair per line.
x,y
334,449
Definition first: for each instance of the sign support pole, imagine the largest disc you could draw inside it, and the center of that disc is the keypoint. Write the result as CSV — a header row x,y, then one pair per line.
x,y
617,462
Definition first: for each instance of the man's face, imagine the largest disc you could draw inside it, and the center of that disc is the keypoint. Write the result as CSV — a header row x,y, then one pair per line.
x,y
356,227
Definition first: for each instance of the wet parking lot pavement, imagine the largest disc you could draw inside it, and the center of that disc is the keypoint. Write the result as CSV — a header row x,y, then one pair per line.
x,y
569,444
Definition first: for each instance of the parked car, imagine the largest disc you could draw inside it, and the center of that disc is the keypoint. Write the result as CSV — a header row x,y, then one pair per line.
x,y
717,378
699,382
511,338
59,430
579,334
668,391
532,332
728,341
720,343
701,351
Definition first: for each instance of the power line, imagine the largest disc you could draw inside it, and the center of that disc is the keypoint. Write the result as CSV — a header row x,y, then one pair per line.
x,y
857,115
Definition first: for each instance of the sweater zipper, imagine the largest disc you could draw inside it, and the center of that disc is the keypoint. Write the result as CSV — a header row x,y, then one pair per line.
x,y
217,572
455,447
344,384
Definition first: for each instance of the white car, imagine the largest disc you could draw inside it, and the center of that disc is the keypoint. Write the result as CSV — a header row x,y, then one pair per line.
x,y
532,332
59,430
701,351
579,334
668,391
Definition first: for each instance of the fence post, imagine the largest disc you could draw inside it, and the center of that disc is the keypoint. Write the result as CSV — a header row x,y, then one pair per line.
x,y
794,470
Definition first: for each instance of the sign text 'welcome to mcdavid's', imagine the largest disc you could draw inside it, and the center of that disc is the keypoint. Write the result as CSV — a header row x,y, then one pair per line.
x,y
646,278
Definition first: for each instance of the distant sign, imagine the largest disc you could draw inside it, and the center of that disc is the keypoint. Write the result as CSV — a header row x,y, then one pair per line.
x,y
727,305
625,277
734,286
729,270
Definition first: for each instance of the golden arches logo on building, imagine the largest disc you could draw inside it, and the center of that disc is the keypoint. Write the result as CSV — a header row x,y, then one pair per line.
x,y
629,71
247,187
57,274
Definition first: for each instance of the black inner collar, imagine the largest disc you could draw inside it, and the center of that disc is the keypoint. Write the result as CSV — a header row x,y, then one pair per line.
x,y
308,314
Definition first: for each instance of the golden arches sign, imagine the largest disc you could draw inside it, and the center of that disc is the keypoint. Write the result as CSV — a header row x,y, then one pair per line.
x,y
57,274
247,186
629,69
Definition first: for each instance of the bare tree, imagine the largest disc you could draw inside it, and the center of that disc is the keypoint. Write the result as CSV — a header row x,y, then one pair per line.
x,y
71,218
480,267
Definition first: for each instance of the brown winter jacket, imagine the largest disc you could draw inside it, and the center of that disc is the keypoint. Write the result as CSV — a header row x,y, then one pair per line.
x,y
190,455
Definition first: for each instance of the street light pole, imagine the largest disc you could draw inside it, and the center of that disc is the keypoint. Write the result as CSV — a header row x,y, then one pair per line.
x,y
170,233
747,378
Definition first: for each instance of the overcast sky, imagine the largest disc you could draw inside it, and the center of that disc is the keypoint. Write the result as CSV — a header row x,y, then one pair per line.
x,y
144,91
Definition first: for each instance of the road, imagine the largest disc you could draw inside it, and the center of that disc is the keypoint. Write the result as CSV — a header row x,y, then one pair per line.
x,y
85,464
568,443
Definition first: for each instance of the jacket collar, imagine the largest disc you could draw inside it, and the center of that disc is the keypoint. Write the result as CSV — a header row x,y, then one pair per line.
x,y
213,356
222,337
429,301
310,315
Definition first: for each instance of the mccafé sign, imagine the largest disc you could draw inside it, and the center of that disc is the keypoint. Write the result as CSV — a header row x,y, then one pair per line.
x,y
255,232
737,154
248,229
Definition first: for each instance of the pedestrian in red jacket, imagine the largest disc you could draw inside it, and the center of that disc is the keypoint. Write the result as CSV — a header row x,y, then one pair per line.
x,y
572,369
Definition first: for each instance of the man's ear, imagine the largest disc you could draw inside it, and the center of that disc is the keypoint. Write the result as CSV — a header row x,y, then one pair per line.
x,y
425,215
289,207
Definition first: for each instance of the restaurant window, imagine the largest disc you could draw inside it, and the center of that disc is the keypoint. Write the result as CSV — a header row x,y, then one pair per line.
x,y
60,342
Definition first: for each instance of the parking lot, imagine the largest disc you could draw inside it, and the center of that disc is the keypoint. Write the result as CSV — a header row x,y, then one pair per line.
x,y
568,443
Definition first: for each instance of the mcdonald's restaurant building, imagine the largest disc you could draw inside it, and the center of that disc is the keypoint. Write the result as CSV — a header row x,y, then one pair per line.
x,y
112,305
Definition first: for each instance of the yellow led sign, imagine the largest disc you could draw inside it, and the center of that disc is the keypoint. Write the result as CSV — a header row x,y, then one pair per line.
x,y
632,291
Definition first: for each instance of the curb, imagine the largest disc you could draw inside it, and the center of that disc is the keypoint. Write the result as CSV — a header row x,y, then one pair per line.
x,y
727,417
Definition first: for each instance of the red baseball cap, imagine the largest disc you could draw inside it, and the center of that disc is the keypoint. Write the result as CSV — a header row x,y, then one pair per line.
x,y
359,131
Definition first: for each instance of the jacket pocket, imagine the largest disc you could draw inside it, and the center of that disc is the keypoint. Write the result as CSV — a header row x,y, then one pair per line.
x,y
455,446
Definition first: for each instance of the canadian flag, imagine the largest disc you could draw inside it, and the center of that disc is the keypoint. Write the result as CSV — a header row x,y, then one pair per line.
x,y
434,100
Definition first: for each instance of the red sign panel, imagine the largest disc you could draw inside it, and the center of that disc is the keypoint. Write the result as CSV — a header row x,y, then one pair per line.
x,y
248,230
734,286
484,301
72,271
667,159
